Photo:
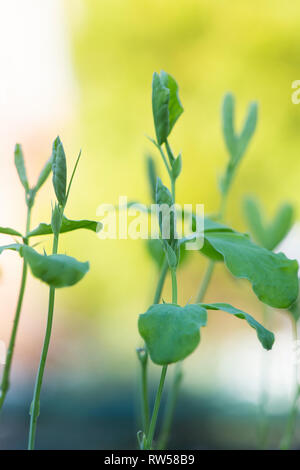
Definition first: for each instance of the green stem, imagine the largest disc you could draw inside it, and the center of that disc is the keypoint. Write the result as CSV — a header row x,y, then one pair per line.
x,y
35,406
170,407
174,286
156,408
205,282
5,383
287,439
161,282
143,354
263,429
153,422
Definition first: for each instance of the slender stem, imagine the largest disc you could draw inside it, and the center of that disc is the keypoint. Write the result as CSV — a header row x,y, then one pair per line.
x,y
263,428
205,282
287,439
161,282
170,407
156,408
174,286
35,406
5,383
162,377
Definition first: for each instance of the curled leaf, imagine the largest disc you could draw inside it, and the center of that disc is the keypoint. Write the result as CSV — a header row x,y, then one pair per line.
x,y
265,336
10,231
273,276
171,332
166,105
43,175
55,270
20,165
67,225
59,169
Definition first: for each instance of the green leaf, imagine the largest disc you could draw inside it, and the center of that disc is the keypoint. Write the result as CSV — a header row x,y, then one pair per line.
x,y
254,218
171,332
237,144
157,252
10,231
152,176
13,247
269,235
166,105
273,276
265,336
43,175
160,108
66,226
174,105
59,168
280,226
177,167
55,270
20,165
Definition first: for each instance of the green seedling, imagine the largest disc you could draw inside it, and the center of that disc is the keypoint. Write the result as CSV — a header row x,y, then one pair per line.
x,y
172,332
56,270
30,194
269,235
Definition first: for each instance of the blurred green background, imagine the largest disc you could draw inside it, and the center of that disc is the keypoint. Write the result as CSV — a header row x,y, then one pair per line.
x,y
83,69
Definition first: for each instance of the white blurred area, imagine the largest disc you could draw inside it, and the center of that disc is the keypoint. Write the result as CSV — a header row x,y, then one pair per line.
x,y
38,99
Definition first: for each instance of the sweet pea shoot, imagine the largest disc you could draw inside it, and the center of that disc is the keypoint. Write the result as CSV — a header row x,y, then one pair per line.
x,y
56,270
172,332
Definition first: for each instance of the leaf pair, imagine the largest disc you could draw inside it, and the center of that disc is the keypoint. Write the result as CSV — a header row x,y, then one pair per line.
x,y
236,143
166,105
172,332
268,235
55,270
21,169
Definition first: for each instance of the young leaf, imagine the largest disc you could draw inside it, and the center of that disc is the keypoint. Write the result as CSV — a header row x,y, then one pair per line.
x,y
174,105
10,231
55,270
59,168
166,105
254,218
280,226
237,144
171,332
248,129
228,125
273,276
177,166
43,175
268,235
20,165
265,336
152,176
157,252
13,247
56,219
160,108
67,225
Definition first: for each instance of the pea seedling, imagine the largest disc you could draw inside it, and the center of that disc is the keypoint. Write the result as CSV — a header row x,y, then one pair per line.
x,y
270,235
172,332
56,270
